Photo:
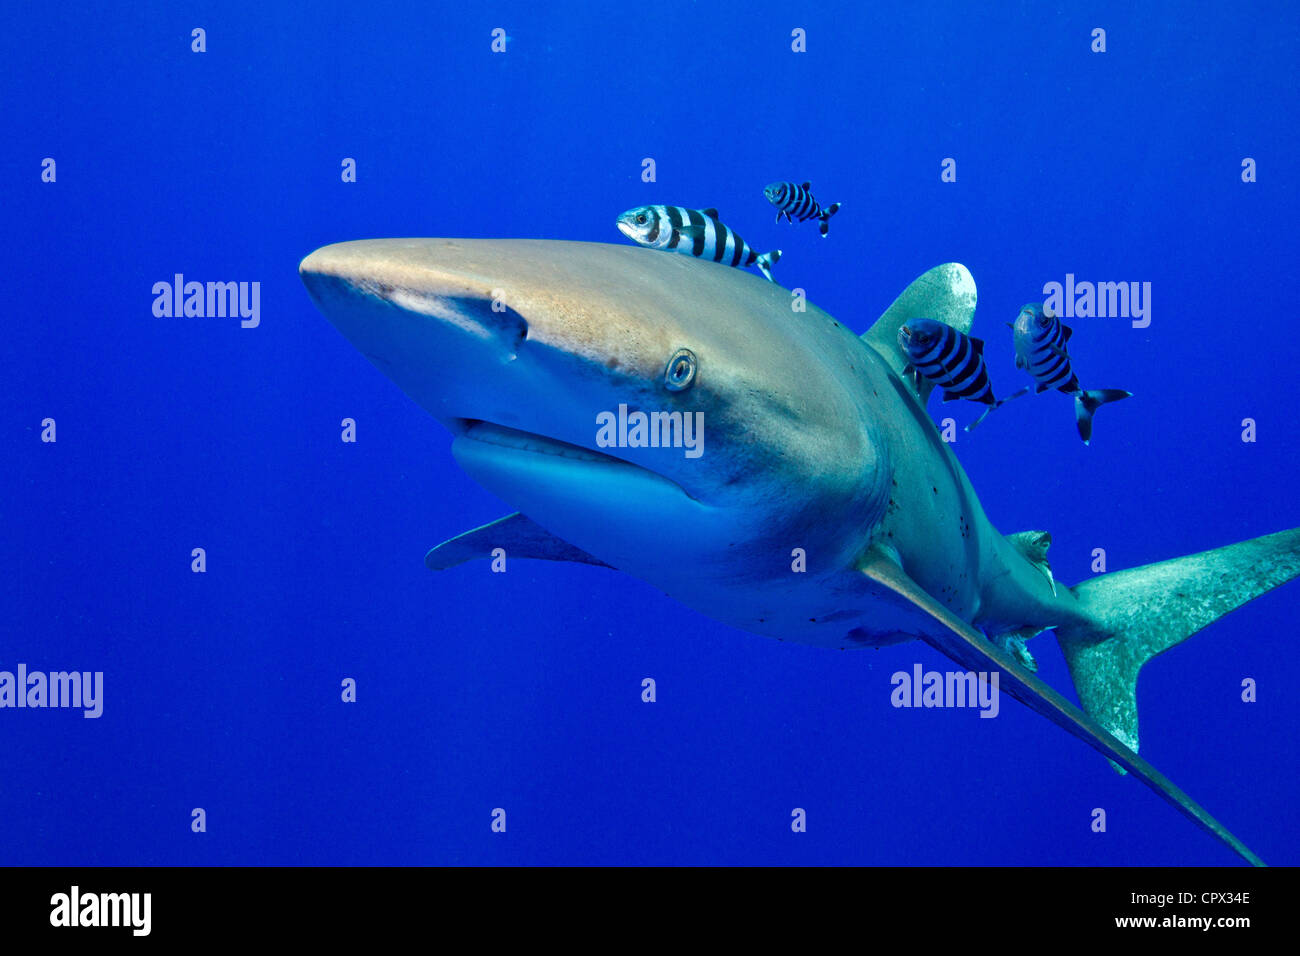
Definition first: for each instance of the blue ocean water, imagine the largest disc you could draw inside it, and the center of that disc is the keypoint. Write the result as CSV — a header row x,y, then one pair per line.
x,y
522,691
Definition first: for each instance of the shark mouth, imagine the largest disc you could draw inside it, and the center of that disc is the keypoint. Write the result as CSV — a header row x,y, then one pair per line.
x,y
490,433
502,449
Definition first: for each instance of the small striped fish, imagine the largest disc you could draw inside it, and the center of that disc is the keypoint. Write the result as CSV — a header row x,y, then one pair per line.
x,y
1040,339
951,360
696,232
797,202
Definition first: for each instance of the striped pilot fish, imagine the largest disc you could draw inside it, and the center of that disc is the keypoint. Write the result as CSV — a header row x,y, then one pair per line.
x,y
950,360
796,202
696,232
1041,339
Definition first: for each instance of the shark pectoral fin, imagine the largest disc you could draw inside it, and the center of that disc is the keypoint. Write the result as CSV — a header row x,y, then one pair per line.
x,y
517,536
950,635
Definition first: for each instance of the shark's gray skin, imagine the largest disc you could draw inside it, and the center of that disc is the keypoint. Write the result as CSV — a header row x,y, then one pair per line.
x,y
814,446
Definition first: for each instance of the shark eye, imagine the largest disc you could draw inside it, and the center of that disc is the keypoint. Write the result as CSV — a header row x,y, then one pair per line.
x,y
680,372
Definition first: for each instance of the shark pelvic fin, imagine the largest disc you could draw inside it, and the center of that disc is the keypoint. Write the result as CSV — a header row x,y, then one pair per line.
x,y
939,627
1013,642
1033,545
518,536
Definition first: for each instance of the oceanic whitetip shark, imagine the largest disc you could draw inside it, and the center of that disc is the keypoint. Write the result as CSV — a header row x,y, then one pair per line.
x,y
812,441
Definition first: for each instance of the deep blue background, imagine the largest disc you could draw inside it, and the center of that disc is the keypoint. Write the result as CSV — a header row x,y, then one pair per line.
x,y
522,690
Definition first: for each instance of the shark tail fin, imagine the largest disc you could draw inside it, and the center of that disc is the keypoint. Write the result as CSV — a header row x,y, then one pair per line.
x,y
825,218
766,261
1085,403
1128,617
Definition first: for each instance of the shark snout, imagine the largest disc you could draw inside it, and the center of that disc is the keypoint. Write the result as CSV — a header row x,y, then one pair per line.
x,y
377,297
445,333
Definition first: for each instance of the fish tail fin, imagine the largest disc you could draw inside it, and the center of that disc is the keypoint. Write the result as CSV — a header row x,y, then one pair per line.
x,y
983,415
825,217
766,261
1085,403
995,406
1128,617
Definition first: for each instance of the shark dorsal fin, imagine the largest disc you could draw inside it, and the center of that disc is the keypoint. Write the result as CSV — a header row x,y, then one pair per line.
x,y
946,293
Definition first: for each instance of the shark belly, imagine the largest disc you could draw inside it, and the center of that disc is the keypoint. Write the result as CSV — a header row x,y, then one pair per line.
x,y
758,579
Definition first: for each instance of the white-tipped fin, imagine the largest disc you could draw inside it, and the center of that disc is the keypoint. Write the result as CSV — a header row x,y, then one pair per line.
x,y
946,294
